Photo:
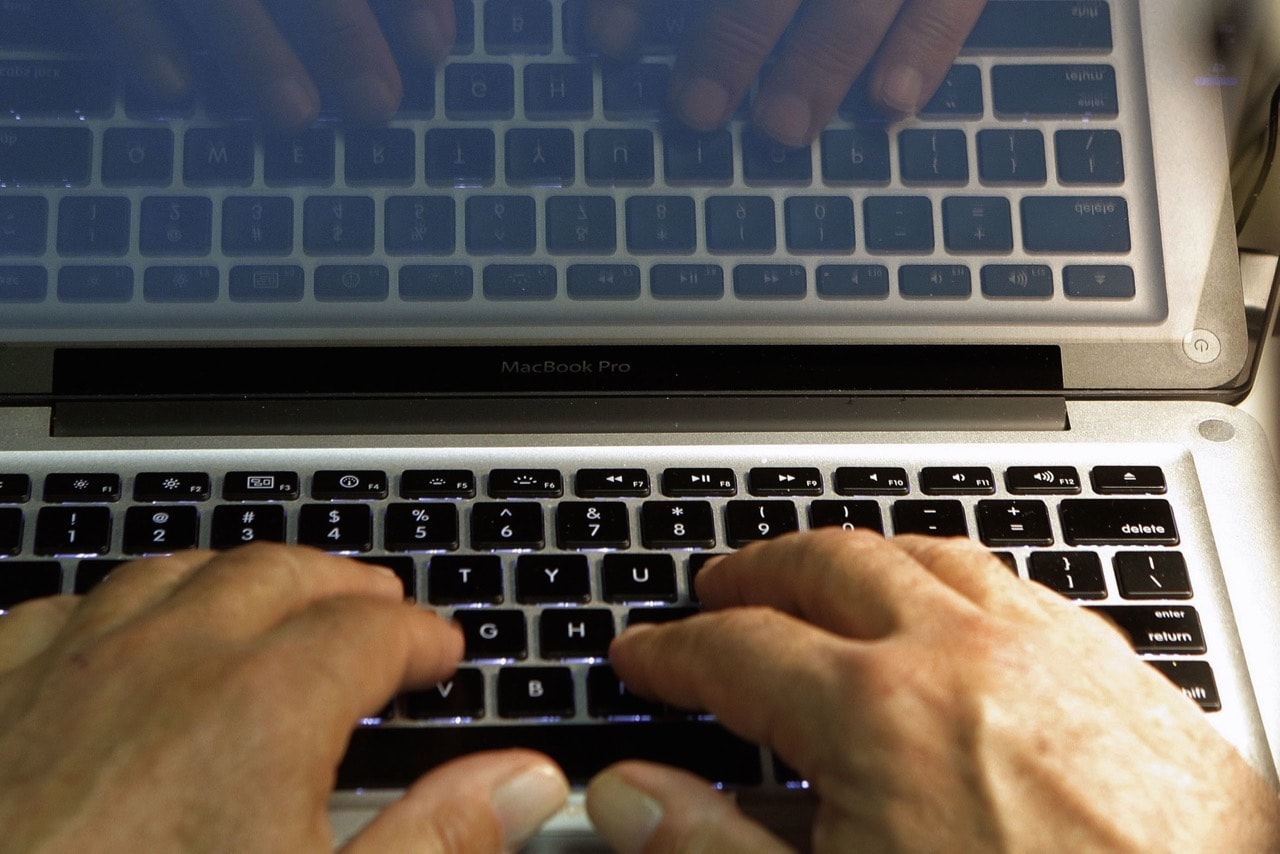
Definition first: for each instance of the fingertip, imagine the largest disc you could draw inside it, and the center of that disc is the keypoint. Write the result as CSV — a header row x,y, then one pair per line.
x,y
900,90
624,815
289,103
524,801
702,103
428,34
614,28
784,118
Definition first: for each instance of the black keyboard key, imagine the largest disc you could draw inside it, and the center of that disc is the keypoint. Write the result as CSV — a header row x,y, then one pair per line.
x,y
176,226
240,524
617,157
535,692
93,225
10,531
1195,680
436,283
977,224
603,282
1097,281
581,225
770,281
347,485
517,26
382,157
1003,27
257,225
23,284
465,580
92,572
677,524
260,486
1075,224
1012,157
160,529
1128,480
57,88
935,281
403,567
558,91
338,225
42,24
741,224
526,483
747,522
679,482
897,224
544,579
1042,480
460,697
181,284
933,518
636,91
608,697
575,633
784,481
478,91
856,157
218,157
957,480
171,486
507,525
1152,575
766,162
24,580
638,578
137,157
424,526
698,158
95,284
820,224
853,281
1160,630
352,283
15,488
661,224
1077,575
611,483
36,157
24,225
302,159
959,96
1014,523
934,157
501,225
871,480
1089,156
396,757
438,483
336,527
460,157
697,561
73,531
1118,521
420,225
849,515
1055,91
81,488
686,281
592,525
541,157
1017,281
493,634
520,282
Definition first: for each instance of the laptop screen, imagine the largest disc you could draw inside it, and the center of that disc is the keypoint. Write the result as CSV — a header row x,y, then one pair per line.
x,y
548,202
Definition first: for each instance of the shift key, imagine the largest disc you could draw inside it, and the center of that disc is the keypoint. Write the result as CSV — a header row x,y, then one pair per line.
x,y
1118,521
45,156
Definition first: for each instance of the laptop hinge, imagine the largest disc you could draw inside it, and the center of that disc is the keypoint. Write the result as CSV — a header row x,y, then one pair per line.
x,y
568,415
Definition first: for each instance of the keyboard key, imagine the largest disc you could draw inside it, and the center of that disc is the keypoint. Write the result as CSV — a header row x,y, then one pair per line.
x,y
460,157
677,524
575,633
592,525
58,88
1152,575
959,96
617,157
160,529
1089,156
24,225
766,162
336,527
73,531
302,159
820,224
1042,480
352,283
1017,27
638,578
661,224
1195,680
338,225
186,284
24,580
436,282
747,522
520,282
659,616
93,571
934,281
607,697
15,488
636,91
176,226
257,225
1014,523
420,225
1128,480
603,281
1077,575
697,561
957,480
171,486
853,281
933,518
478,91
20,284
871,480
686,281
1118,521
348,485
535,692
438,483
1097,281
383,157
1012,157
95,284
697,158
501,225
681,482
37,157
898,224
544,579
465,579
460,697
1163,630
525,483
493,634
1054,91
784,481
45,24
846,514
137,157
1017,281
260,486
581,225
10,531
541,157
558,91
737,224
611,483
218,157
977,224
856,157
507,525
241,524
424,526
770,281
934,157
60,488
93,225
517,26
1075,224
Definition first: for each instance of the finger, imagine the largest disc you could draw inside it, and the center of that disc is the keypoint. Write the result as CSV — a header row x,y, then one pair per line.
x,y
244,592
825,52
27,630
767,676
142,44
722,56
341,43
852,583
133,588
919,51
615,26
966,567
427,28
638,806
486,802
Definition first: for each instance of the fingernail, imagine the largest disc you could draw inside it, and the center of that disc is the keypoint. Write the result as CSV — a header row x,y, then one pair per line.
x,y
370,96
703,104
527,800
165,75
614,28
784,118
291,102
901,89
712,562
426,36
625,816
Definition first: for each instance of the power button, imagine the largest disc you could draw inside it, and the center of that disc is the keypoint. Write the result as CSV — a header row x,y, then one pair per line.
x,y
1202,346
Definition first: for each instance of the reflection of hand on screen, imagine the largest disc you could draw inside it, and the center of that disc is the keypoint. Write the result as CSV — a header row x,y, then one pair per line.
x,y
909,45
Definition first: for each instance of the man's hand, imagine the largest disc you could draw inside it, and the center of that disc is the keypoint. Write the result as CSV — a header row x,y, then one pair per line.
x,y
825,46
203,702
935,702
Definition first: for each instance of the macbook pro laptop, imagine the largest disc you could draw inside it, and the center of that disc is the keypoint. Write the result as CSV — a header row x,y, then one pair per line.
x,y
541,351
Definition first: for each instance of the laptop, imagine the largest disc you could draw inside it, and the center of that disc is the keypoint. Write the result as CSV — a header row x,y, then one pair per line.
x,y
541,351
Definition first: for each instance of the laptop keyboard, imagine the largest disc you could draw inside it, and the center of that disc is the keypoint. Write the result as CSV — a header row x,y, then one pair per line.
x,y
542,567
527,181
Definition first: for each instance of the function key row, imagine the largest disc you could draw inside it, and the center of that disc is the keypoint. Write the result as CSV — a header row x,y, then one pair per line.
x,y
421,484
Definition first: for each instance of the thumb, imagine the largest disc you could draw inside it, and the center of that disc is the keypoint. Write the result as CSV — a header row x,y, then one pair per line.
x,y
486,802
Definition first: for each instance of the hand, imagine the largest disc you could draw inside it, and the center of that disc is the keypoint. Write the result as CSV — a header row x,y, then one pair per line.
x,y
935,702
203,702
341,53
829,44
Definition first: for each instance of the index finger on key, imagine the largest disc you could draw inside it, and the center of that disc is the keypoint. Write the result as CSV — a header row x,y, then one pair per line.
x,y
919,51
615,26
